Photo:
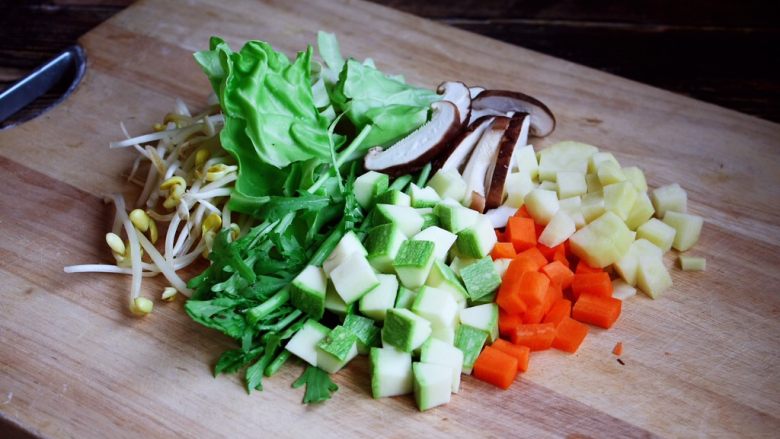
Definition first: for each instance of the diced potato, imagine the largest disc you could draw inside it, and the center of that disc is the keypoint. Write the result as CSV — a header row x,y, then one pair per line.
x,y
640,212
658,233
542,205
601,157
593,183
525,161
619,198
570,184
671,197
592,206
518,185
636,177
602,242
652,276
610,173
688,229
692,263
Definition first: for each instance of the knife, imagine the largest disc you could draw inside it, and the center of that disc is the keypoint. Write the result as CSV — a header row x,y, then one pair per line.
x,y
72,61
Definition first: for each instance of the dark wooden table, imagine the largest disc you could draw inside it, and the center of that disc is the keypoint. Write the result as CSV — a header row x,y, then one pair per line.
x,y
722,52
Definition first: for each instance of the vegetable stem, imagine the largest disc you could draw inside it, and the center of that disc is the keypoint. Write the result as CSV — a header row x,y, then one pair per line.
x,y
254,315
343,156
277,363
401,182
424,174
279,326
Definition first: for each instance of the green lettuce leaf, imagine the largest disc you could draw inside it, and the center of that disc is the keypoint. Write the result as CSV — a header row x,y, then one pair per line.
x,y
369,97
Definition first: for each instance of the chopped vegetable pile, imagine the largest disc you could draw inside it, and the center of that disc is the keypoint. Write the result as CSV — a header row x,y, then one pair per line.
x,y
344,212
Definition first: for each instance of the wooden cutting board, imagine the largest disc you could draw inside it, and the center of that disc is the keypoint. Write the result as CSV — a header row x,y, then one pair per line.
x,y
700,361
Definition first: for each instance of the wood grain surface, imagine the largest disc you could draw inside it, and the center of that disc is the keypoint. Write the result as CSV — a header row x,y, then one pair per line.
x,y
701,361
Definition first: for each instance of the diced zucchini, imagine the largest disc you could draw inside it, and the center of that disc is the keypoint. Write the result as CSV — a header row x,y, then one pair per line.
x,y
368,186
307,291
518,185
430,220
435,305
640,212
455,218
620,198
470,341
490,298
558,230
413,262
657,232
405,298
348,244
407,218
335,304
364,329
484,317
443,333
671,197
376,302
542,205
432,385
602,242
601,157
337,349
525,161
382,244
441,239
564,156
304,343
570,184
610,173
391,372
458,263
394,197
353,278
443,278
622,290
480,278
636,177
438,352
478,240
652,277
692,263
448,184
688,229
405,330
423,197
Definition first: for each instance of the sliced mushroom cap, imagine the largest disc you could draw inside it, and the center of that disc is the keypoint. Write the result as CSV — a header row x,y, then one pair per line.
x,y
501,102
461,147
515,136
482,159
421,146
476,90
457,93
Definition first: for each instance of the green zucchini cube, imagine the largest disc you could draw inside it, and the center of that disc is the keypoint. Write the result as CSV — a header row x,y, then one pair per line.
x,y
423,197
405,298
304,343
394,197
435,305
367,333
336,349
443,278
413,262
481,278
348,244
368,186
391,372
382,244
470,341
438,352
477,240
353,278
408,219
307,291
432,385
376,302
455,218
484,317
405,330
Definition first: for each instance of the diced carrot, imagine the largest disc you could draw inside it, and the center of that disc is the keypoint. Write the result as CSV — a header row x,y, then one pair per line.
x,y
500,236
535,256
560,255
570,335
559,311
597,310
596,284
532,288
554,294
522,213
508,296
547,252
582,267
521,233
495,367
618,349
537,336
503,250
534,314
559,274
520,352
507,322
539,229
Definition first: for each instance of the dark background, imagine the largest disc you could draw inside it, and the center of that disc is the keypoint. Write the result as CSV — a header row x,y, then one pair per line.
x,y
724,52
